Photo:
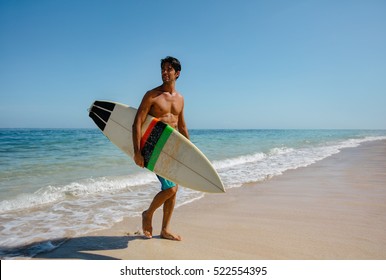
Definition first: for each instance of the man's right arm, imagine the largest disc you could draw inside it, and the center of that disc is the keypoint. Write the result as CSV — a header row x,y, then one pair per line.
x,y
139,119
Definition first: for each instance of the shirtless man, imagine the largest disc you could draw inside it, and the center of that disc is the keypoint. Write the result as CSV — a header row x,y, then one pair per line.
x,y
166,104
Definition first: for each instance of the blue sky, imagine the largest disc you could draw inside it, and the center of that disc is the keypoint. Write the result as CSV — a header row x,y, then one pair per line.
x,y
245,64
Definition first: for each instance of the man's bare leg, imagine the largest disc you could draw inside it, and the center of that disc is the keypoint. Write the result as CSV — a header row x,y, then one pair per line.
x,y
147,216
146,224
167,215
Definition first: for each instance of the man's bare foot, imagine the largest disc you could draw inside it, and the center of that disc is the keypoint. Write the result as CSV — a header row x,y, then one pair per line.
x,y
146,226
170,236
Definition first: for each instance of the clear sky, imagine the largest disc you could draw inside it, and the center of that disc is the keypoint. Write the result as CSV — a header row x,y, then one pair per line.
x,y
245,64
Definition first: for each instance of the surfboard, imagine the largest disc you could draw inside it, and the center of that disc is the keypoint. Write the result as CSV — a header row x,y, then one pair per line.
x,y
166,151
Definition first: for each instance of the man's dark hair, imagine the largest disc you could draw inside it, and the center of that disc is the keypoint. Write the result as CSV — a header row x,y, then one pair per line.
x,y
173,61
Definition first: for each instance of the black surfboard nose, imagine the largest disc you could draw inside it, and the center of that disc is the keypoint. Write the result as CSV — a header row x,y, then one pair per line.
x,y
100,112
105,105
97,120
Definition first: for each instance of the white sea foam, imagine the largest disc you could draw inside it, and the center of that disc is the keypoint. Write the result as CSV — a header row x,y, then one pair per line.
x,y
260,166
231,162
88,187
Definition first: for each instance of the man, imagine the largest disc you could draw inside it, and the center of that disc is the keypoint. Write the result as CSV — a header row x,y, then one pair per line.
x,y
167,105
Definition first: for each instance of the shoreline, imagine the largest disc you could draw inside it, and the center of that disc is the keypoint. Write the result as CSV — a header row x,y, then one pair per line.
x,y
332,209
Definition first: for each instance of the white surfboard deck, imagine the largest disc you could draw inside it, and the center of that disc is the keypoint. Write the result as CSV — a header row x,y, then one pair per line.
x,y
167,152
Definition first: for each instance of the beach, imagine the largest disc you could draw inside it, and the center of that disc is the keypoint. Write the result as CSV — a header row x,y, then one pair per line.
x,y
332,209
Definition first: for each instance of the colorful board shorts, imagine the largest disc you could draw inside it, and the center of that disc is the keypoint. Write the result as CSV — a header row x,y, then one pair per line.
x,y
165,184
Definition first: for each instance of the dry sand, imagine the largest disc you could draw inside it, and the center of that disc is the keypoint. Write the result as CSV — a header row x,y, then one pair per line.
x,y
333,209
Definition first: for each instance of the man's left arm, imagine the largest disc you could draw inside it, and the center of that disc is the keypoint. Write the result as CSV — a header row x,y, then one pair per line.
x,y
182,125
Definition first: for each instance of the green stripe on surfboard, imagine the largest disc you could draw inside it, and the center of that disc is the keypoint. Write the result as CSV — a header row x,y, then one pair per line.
x,y
159,146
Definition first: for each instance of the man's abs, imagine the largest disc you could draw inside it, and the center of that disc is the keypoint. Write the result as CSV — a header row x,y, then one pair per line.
x,y
170,119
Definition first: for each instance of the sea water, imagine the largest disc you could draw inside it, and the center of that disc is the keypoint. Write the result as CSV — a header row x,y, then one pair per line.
x,y
63,183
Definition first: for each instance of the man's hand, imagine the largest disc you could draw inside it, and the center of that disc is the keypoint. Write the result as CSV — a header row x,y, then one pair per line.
x,y
139,160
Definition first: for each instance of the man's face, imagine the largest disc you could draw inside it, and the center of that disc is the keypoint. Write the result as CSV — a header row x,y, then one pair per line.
x,y
168,73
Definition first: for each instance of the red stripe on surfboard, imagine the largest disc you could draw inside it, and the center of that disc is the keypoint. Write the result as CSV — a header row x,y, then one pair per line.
x,y
148,131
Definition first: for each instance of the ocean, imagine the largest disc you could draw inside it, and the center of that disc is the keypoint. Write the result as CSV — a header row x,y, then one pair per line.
x,y
63,183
